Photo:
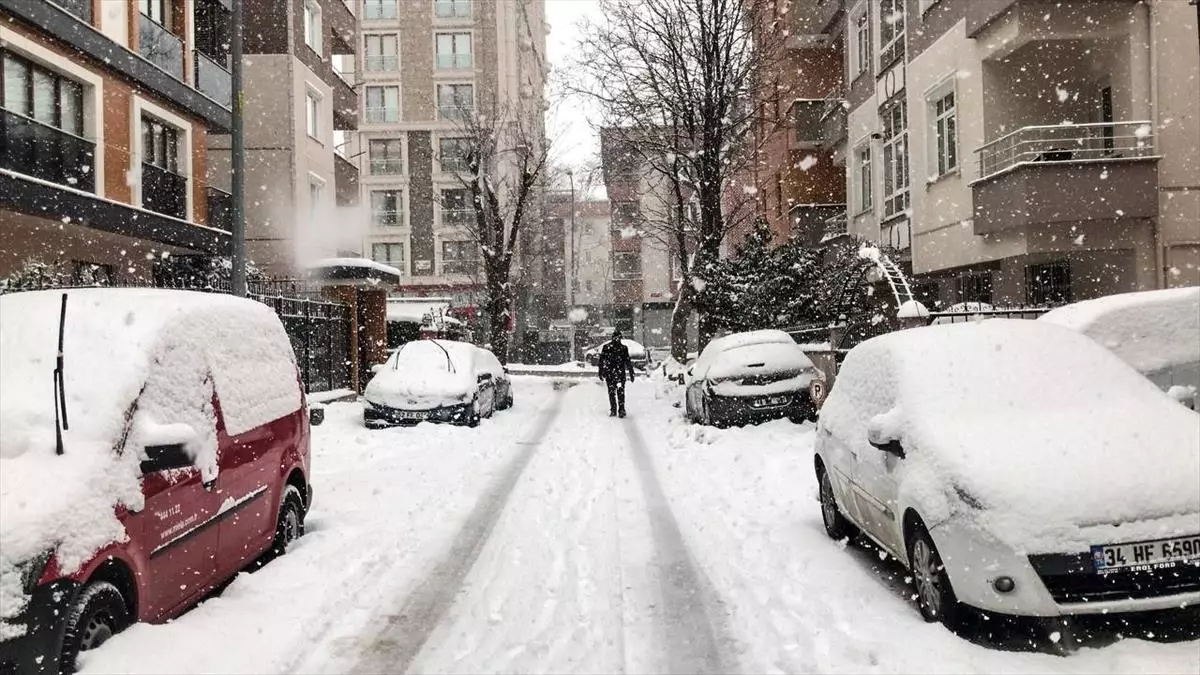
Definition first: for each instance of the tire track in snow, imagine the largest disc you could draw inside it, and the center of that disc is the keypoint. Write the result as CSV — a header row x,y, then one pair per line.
x,y
692,641
400,640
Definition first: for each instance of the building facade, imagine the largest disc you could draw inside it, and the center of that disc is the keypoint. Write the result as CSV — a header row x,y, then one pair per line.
x,y
1023,151
107,108
424,63
300,103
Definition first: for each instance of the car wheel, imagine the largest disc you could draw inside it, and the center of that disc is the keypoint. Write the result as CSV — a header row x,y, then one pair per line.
x,y
935,597
473,416
98,614
290,525
836,525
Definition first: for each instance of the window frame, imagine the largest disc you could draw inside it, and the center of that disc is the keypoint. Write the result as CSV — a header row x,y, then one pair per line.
x,y
861,42
163,136
441,154
467,266
897,181
618,274
891,48
390,246
454,87
382,57
390,115
864,167
30,93
454,64
387,158
312,114
397,213
380,14
943,144
443,209
1042,294
314,36
454,9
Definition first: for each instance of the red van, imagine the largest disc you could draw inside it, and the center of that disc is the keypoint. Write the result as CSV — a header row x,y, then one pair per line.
x,y
152,444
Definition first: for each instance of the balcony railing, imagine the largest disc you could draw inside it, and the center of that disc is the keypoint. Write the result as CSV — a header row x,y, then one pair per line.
x,y
213,79
380,9
160,47
452,9
381,115
46,153
387,167
220,209
453,61
382,62
454,113
458,217
1102,141
80,8
164,191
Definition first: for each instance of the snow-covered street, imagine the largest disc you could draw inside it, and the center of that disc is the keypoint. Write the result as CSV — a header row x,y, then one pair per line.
x,y
556,539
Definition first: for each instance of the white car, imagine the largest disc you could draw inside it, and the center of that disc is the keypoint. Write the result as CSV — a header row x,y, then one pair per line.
x,y
637,354
749,377
1156,332
1016,467
436,381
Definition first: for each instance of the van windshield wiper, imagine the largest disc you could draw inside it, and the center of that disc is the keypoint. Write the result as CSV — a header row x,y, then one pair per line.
x,y
60,394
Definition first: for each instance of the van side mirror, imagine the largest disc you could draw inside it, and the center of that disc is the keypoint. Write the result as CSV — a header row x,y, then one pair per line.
x,y
165,457
891,447
316,416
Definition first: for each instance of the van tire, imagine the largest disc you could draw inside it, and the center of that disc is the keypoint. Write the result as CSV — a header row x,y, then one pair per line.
x,y
97,614
290,525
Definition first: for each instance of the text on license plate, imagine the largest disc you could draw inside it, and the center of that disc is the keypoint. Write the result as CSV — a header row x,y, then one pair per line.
x,y
770,401
411,414
1146,554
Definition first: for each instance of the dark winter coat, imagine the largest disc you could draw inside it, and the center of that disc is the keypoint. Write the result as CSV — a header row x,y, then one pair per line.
x,y
614,362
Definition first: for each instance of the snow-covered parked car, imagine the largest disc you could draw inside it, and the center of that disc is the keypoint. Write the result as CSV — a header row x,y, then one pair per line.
x,y
1016,467
165,450
1156,332
637,354
749,377
436,381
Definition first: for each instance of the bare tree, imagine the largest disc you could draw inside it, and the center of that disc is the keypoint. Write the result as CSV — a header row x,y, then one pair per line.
x,y
674,80
501,154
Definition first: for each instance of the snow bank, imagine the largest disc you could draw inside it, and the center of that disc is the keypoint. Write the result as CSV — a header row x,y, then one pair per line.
x,y
1150,331
164,350
912,309
1090,428
425,374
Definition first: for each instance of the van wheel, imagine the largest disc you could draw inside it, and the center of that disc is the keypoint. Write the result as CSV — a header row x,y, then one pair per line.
x,y
474,416
98,614
836,525
935,597
290,525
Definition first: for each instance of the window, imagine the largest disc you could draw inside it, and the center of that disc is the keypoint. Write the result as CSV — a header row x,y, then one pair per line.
x,y
157,11
806,118
379,9
42,95
891,32
627,265
312,25
386,156
455,100
452,154
975,287
1048,283
460,257
895,157
862,158
312,108
381,52
212,31
453,50
315,187
386,208
860,56
452,9
160,144
388,254
383,104
945,138
456,208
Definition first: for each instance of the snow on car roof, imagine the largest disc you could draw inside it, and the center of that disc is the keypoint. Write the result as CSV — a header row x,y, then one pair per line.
x,y
744,359
1030,418
426,374
1150,330
753,337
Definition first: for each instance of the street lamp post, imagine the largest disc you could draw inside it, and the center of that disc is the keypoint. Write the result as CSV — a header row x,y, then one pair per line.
x,y
571,282
237,151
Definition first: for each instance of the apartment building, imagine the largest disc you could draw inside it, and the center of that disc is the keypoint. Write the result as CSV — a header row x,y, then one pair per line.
x,y
299,103
585,252
1026,151
105,113
423,62
797,180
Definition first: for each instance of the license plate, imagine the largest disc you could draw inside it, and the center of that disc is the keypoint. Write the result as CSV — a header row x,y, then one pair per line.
x,y
770,401
1146,555
411,414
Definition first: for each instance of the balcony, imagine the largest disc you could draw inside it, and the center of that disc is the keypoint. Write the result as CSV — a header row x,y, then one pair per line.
x,y
213,79
376,115
833,120
452,9
220,209
453,61
454,113
376,10
164,191
810,221
345,105
1067,173
46,153
80,8
160,47
381,62
458,217
386,166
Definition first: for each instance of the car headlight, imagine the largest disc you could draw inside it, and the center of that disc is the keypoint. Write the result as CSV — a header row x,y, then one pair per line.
x,y
31,570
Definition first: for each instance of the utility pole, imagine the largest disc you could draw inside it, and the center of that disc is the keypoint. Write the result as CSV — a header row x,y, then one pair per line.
x,y
237,155
571,282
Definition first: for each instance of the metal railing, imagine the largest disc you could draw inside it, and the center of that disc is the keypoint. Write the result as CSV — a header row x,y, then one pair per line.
x,y
458,217
452,9
80,8
453,61
386,167
213,79
381,62
454,112
220,209
160,47
978,311
1101,141
380,9
835,226
378,115
164,191
387,218
46,153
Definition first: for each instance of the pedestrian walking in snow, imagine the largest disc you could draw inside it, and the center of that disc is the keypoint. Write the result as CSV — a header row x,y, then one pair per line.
x,y
614,366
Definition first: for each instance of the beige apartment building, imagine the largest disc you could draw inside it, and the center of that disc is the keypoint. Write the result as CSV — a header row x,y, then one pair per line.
x,y
422,63
1025,151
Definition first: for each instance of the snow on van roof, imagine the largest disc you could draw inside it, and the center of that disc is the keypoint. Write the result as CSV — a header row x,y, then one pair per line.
x,y
166,350
1149,330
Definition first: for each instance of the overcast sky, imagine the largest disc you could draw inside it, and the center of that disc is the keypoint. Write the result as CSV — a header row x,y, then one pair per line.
x,y
567,124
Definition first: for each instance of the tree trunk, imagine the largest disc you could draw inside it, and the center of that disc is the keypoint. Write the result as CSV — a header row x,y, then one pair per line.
x,y
499,313
680,317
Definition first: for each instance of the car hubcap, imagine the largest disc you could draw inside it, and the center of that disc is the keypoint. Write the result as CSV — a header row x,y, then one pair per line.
x,y
97,632
291,527
828,507
925,569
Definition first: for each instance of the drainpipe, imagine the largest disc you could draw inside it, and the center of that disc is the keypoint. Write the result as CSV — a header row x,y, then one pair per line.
x,y
1160,258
